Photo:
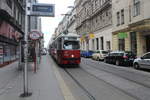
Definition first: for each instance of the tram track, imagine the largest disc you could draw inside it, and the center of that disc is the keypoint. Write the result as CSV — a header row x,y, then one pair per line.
x,y
118,75
112,85
100,80
91,97
143,92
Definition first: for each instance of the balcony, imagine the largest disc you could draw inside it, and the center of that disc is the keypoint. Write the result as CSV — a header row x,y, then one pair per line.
x,y
107,4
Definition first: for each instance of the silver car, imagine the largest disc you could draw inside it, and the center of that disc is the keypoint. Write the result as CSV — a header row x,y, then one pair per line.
x,y
142,62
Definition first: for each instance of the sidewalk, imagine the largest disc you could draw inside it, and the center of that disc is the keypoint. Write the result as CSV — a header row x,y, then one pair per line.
x,y
43,84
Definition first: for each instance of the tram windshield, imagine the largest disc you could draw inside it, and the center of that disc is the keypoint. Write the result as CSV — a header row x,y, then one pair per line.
x,y
71,45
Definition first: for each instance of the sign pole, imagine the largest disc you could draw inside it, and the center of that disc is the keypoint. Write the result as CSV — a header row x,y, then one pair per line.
x,y
36,10
25,74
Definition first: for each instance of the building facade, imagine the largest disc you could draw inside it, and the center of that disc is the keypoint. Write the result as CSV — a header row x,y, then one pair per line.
x,y
131,22
12,19
94,24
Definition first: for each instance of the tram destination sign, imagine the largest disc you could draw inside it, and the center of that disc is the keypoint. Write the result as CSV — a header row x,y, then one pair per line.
x,y
40,9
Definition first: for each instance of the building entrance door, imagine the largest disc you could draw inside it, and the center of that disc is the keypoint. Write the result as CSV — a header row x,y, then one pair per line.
x,y
148,43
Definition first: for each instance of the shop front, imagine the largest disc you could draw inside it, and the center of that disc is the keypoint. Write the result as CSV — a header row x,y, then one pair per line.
x,y
9,44
135,38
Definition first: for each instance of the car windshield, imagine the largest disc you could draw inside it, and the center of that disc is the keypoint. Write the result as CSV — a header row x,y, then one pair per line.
x,y
71,45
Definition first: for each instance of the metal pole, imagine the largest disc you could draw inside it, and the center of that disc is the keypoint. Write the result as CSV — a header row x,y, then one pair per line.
x,y
25,75
20,56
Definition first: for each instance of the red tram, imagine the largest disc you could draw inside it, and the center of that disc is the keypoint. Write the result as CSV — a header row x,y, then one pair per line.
x,y
65,49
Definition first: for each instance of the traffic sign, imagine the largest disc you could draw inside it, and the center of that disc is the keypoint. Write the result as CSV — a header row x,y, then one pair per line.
x,y
34,35
40,9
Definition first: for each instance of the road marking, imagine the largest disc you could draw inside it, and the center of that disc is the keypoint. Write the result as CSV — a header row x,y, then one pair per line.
x,y
65,90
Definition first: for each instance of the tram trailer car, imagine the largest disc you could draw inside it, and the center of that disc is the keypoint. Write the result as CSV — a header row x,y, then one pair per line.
x,y
65,49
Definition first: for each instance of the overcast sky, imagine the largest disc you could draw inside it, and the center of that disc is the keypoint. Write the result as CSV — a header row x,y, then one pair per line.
x,y
48,23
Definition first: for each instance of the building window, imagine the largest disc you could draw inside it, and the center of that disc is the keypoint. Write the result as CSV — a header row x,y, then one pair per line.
x,y
136,7
9,3
96,2
121,44
118,18
122,16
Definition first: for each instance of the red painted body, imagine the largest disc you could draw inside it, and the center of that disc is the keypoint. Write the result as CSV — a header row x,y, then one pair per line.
x,y
68,57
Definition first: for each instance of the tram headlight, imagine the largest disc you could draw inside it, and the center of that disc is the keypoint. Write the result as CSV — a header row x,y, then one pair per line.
x,y
72,56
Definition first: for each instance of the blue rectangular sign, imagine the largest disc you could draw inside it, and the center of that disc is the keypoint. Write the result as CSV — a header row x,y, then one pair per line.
x,y
39,9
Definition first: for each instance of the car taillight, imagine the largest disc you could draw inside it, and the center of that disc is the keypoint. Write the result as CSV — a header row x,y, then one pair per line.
x,y
125,57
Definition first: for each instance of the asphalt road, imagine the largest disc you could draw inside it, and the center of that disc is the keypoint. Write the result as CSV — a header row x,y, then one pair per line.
x,y
106,82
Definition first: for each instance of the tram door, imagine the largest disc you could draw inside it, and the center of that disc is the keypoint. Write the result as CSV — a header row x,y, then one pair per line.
x,y
148,43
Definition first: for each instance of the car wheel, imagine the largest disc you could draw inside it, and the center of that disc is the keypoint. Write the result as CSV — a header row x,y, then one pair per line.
x,y
97,59
136,66
117,62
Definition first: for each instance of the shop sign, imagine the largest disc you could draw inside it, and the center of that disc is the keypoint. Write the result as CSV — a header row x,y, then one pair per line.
x,y
91,35
122,35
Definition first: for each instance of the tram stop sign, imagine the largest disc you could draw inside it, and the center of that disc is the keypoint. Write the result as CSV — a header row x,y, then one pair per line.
x,y
34,35
40,9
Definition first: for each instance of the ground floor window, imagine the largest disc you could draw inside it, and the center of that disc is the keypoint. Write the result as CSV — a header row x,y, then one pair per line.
x,y
1,54
102,43
121,44
97,43
108,45
93,44
133,42
8,52
148,43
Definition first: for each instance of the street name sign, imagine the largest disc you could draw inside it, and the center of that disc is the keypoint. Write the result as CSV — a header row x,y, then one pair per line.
x,y
40,9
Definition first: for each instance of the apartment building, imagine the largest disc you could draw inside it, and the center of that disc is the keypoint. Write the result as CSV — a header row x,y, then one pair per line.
x,y
94,24
131,22
71,25
12,19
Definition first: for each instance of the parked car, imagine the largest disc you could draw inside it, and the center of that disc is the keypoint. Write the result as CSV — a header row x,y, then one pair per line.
x,y
87,54
82,53
120,58
142,62
99,55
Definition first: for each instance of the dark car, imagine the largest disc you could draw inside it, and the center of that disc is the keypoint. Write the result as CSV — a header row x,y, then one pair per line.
x,y
120,58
